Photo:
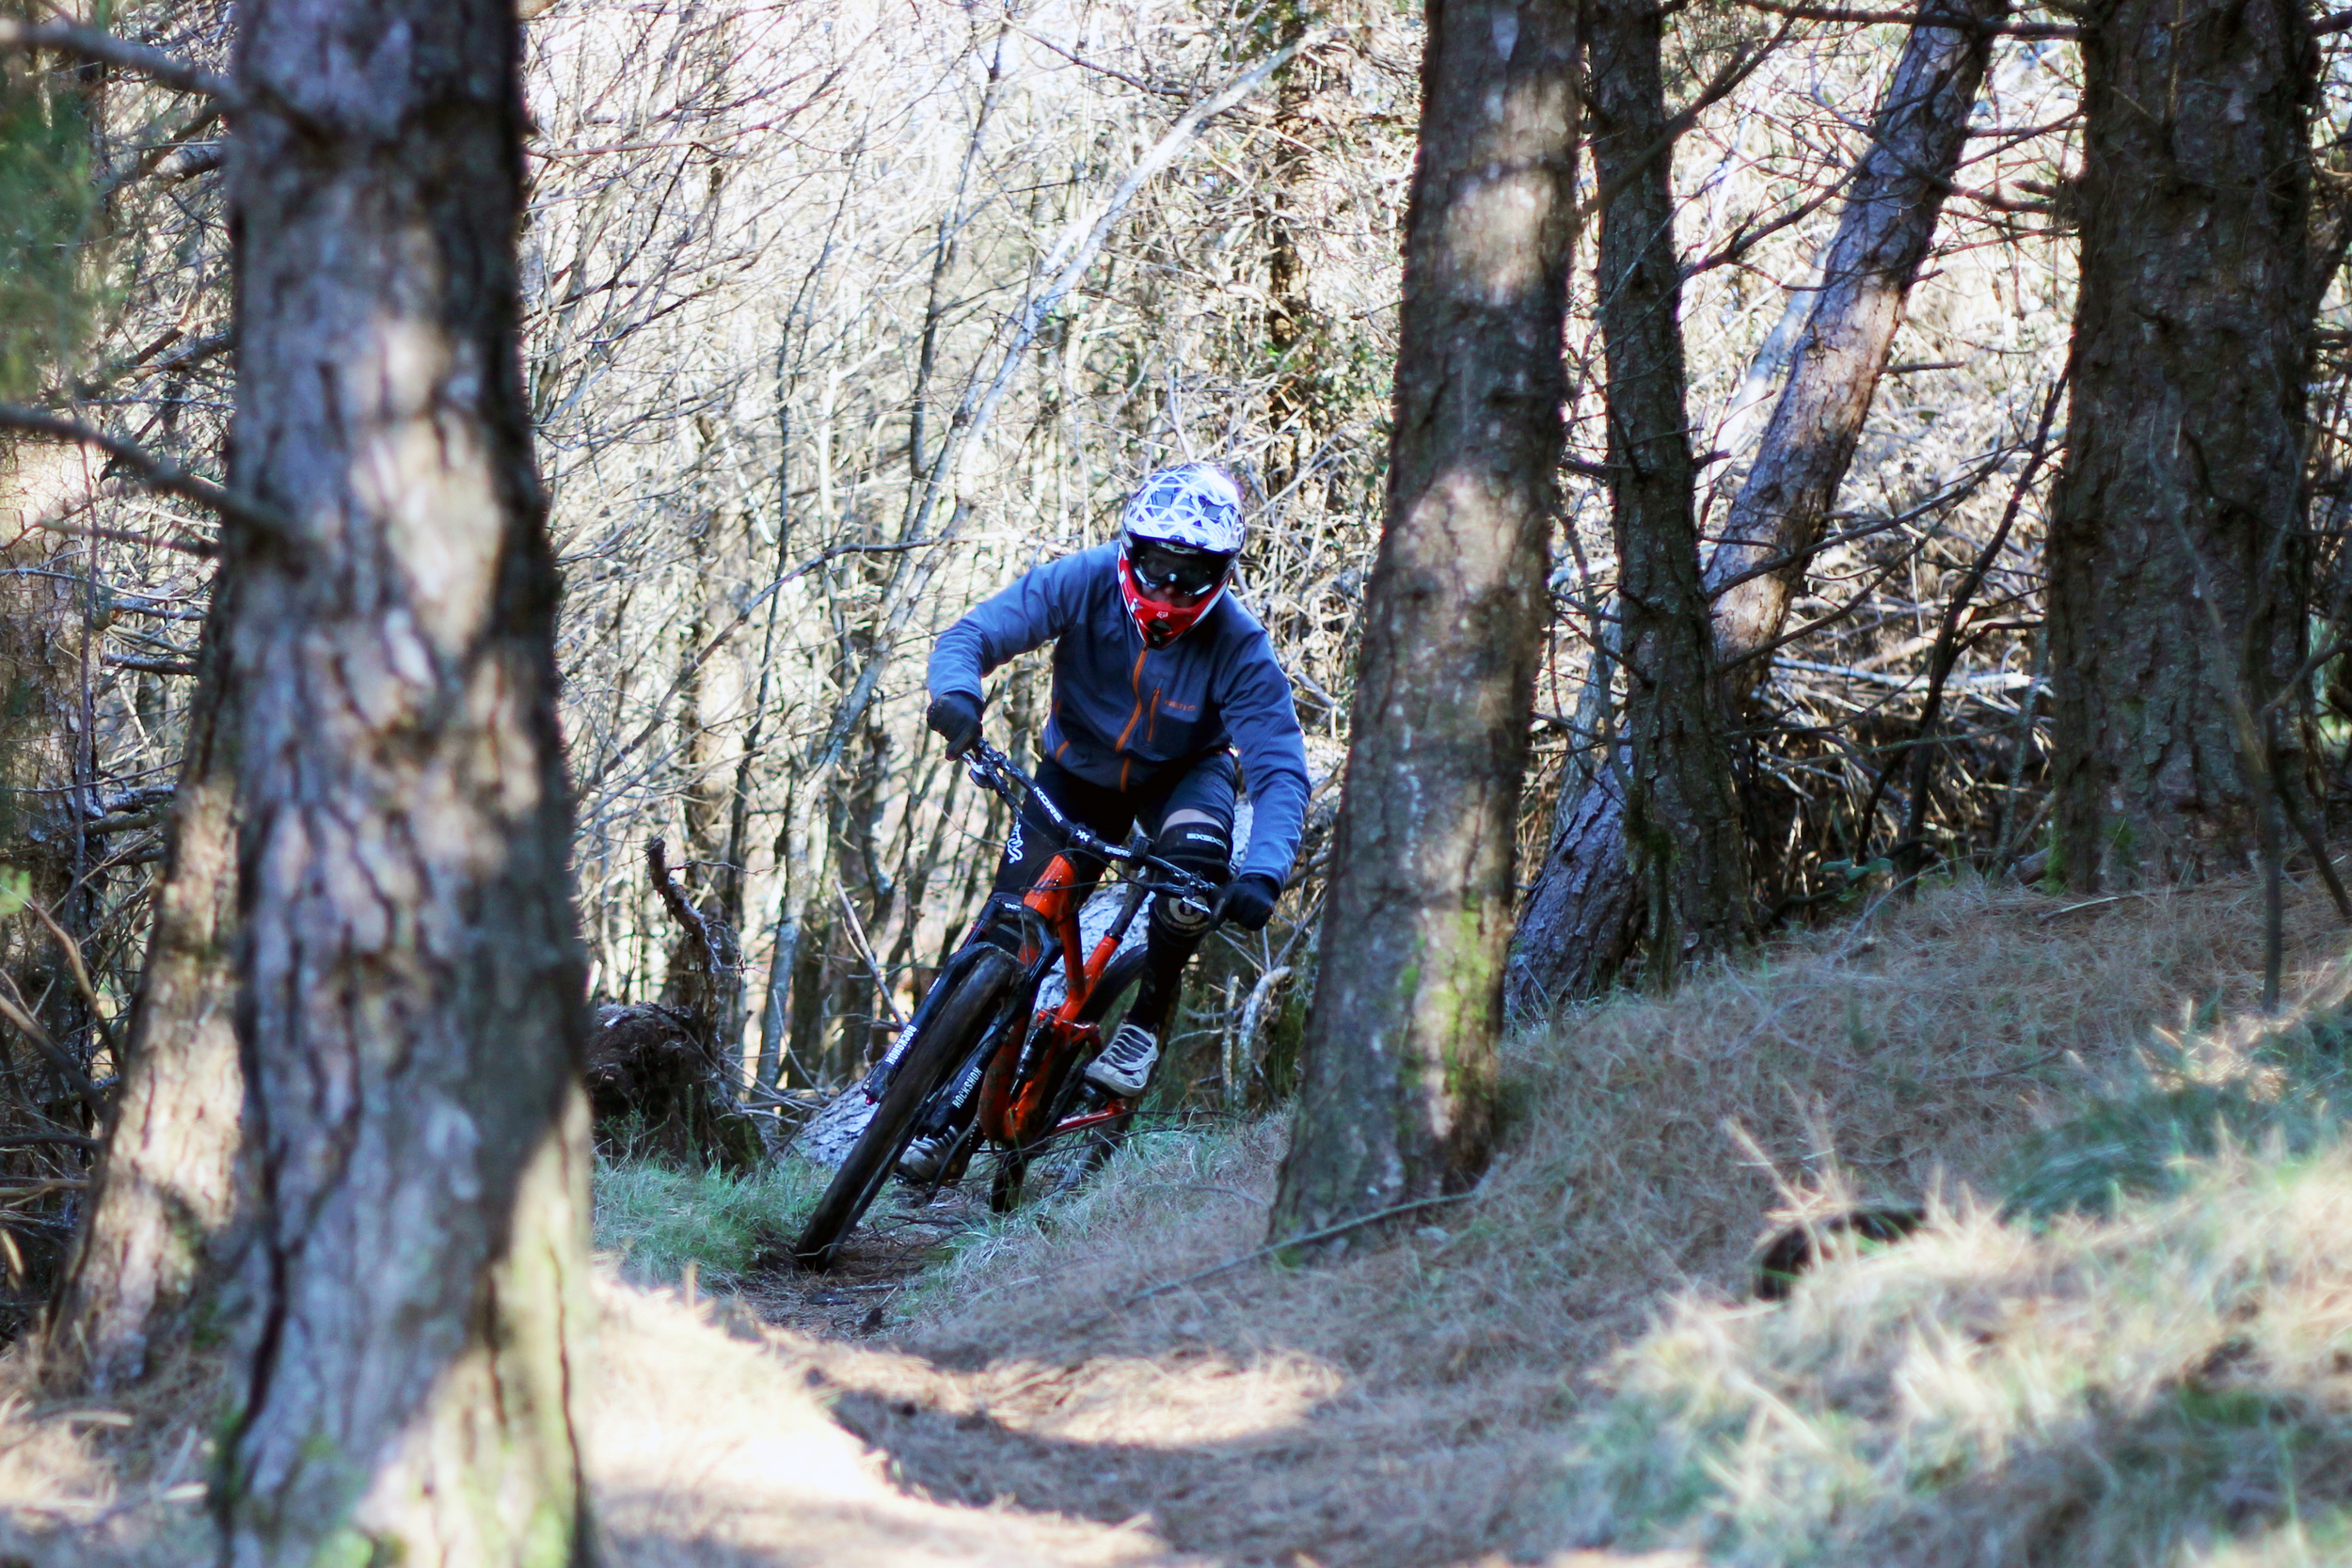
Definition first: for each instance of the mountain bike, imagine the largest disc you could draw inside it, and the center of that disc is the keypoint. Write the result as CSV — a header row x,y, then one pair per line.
x,y
982,1031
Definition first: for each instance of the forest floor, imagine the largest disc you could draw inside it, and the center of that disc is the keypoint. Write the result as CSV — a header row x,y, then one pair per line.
x,y
2125,1335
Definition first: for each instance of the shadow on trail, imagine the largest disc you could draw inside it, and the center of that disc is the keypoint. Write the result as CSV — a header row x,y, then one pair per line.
x,y
1281,1469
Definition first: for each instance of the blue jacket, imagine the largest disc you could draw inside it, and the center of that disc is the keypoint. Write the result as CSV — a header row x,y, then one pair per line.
x,y
1124,716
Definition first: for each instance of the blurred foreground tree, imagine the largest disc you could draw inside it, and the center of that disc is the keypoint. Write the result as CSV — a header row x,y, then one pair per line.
x,y
411,980
1400,1052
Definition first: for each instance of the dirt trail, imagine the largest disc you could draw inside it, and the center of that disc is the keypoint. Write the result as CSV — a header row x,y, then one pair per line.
x,y
711,1448
1162,1439
1236,1421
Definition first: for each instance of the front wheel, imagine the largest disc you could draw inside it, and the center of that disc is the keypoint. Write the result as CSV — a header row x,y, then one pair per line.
x,y
1056,1165
944,1043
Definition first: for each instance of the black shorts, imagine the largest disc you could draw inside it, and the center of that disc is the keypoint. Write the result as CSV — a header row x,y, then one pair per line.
x,y
1207,787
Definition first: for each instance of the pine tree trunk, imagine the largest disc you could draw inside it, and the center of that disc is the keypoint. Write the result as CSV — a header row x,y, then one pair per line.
x,y
711,710
1588,894
787,993
1882,236
1296,413
1397,1101
412,1013
164,1199
1666,795
2181,491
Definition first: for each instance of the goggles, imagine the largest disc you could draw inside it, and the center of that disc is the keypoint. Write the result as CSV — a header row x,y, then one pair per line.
x,y
1176,572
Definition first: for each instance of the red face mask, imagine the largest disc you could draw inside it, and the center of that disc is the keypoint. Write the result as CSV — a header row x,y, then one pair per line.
x,y
1162,620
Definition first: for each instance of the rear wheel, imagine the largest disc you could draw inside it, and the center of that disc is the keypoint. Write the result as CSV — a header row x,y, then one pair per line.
x,y
930,1056
1053,1164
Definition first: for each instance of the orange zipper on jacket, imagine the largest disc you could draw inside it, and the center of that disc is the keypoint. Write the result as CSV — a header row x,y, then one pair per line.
x,y
1134,681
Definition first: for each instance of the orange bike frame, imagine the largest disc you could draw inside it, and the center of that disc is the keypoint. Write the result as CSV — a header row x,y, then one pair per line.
x,y
1055,899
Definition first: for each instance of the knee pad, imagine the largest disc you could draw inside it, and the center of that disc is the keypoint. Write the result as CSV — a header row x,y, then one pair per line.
x,y
1203,849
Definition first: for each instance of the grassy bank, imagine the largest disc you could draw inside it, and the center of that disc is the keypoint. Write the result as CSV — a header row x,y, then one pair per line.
x,y
2143,1356
2115,1342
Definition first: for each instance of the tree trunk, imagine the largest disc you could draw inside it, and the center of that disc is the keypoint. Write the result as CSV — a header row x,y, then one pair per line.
x,y
797,849
1586,902
1666,791
412,1013
2181,492
164,1197
1397,1101
1295,413
1883,236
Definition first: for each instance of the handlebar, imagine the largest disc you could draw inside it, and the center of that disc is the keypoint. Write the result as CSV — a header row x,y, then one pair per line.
x,y
993,771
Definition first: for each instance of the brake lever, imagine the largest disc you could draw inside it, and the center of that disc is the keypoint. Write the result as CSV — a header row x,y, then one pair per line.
x,y
979,766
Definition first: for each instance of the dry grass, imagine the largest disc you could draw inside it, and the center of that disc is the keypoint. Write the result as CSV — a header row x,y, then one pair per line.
x,y
116,1482
2148,1363
2172,1385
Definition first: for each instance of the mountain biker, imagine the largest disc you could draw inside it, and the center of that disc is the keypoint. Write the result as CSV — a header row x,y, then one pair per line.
x,y
1160,675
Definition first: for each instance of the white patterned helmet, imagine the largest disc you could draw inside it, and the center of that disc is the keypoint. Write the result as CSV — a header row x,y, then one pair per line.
x,y
1192,504
1184,528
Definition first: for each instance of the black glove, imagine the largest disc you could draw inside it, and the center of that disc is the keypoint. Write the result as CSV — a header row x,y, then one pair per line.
x,y
1248,901
957,720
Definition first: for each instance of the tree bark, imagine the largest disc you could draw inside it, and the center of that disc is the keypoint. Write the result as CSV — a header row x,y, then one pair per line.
x,y
1665,789
410,1011
1296,416
1586,906
788,992
2181,493
1898,194
164,1198
1397,1101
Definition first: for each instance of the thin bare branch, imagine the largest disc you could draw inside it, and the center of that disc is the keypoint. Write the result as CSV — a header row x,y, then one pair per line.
x,y
104,48
154,472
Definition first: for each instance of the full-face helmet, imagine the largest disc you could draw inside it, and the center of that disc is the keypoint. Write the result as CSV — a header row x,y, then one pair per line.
x,y
1183,530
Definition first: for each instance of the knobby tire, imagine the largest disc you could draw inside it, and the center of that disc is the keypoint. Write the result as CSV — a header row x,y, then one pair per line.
x,y
930,1056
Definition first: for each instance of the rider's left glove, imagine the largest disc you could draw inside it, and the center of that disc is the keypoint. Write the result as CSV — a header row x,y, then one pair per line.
x,y
956,717
1248,901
